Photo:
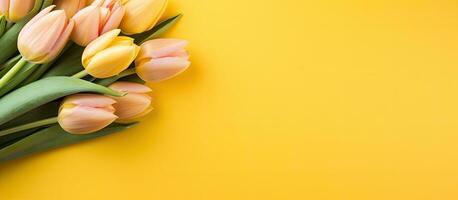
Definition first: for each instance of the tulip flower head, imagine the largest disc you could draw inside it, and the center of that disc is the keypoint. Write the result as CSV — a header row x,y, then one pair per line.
x,y
70,6
109,54
98,18
44,37
142,15
135,104
86,113
162,59
15,10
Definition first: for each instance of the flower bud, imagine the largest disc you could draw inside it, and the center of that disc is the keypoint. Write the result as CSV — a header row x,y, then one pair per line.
x,y
162,59
142,15
135,104
109,54
71,7
15,10
98,18
44,37
86,113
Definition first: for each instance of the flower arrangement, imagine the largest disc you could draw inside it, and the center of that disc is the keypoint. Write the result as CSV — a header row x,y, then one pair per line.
x,y
74,70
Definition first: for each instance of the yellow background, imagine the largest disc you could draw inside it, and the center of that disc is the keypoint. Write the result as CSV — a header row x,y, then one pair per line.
x,y
292,99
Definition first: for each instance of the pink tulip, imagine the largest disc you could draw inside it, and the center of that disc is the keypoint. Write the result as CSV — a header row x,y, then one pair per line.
x,y
135,104
15,10
44,37
86,113
98,18
70,6
162,59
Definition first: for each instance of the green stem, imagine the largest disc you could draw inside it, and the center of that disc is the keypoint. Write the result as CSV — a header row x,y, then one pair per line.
x,y
24,127
80,74
11,61
12,72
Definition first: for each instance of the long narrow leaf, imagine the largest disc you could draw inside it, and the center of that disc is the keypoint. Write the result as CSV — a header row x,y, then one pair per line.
x,y
51,138
157,30
34,95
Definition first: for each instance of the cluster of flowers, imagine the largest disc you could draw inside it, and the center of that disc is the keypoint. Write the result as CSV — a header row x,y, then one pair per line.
x,y
117,39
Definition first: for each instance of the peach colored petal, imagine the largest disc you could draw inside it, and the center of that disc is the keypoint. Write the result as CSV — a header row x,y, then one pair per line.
x,y
114,20
131,105
86,26
91,100
162,68
122,86
84,120
161,47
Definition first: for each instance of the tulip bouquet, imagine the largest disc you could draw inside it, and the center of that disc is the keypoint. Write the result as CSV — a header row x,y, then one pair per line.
x,y
74,70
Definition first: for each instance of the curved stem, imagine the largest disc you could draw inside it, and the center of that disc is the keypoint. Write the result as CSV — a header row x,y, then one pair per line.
x,y
24,127
12,72
80,74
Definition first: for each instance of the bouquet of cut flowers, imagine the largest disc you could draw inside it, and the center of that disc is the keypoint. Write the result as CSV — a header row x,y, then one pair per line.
x,y
74,70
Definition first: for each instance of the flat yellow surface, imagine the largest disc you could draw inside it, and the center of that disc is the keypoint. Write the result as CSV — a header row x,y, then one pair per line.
x,y
292,99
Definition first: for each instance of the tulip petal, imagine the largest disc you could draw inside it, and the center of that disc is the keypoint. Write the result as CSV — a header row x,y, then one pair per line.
x,y
84,120
161,48
129,87
4,7
99,44
37,17
91,100
86,25
114,20
60,43
71,7
162,68
142,15
111,61
38,42
19,9
131,105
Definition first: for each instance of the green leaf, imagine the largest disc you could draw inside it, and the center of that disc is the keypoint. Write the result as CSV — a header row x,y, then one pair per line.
x,y
68,64
133,78
157,30
2,25
51,138
32,96
8,42
123,76
43,112
44,67
23,74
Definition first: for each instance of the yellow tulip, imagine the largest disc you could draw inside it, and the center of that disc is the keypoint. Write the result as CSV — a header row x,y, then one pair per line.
x,y
44,37
15,10
142,15
135,104
86,113
109,54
